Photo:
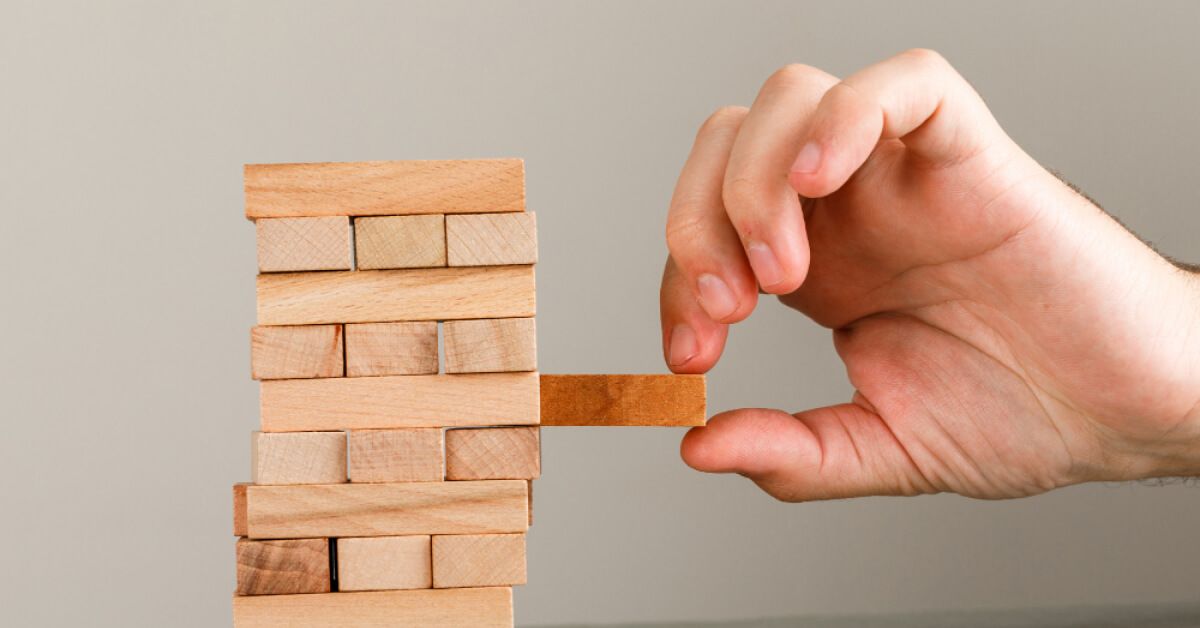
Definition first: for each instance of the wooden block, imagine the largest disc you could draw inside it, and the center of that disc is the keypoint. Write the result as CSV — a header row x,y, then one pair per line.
x,y
298,457
374,349
493,453
356,403
478,560
414,455
490,345
301,244
383,188
338,510
491,239
384,562
284,566
296,351
652,400
427,608
529,490
416,294
400,241
239,508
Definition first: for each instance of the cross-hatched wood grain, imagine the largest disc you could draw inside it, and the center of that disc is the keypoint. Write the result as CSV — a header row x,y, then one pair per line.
x,y
406,455
303,244
298,457
282,566
296,351
426,608
493,453
473,560
651,400
491,239
384,562
490,345
400,242
374,349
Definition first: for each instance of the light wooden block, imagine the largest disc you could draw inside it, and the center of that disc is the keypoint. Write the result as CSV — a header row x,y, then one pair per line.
x,y
284,566
416,294
298,457
356,403
296,351
239,508
490,345
383,188
384,562
400,241
412,455
478,560
303,244
495,453
651,400
339,510
491,239
374,349
427,608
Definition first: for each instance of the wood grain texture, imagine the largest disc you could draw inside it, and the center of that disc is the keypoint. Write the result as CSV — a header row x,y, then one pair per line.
x,y
374,349
283,566
382,188
412,455
302,244
529,490
349,403
298,457
495,453
296,351
384,562
478,560
650,400
239,508
338,510
491,239
490,345
417,294
427,608
400,241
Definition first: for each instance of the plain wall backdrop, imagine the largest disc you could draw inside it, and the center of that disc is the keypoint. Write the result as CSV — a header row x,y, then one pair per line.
x,y
129,274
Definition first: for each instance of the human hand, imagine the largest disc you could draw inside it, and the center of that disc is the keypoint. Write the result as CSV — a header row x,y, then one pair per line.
x,y
1004,336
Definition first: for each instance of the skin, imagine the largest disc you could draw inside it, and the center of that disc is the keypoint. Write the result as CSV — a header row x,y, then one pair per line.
x,y
1005,336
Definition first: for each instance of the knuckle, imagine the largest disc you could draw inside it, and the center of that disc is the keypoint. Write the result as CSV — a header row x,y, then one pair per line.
x,y
727,117
683,233
792,74
926,58
739,193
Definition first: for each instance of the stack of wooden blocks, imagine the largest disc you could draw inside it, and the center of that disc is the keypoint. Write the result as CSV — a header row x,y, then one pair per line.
x,y
391,479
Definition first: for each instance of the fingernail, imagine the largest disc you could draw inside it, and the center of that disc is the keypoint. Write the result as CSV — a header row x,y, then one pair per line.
x,y
765,264
715,296
809,159
683,345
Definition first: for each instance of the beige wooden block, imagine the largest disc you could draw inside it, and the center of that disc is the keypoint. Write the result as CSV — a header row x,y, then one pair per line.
x,y
400,241
490,345
493,453
383,188
339,510
415,294
239,508
298,457
478,560
491,239
384,562
651,400
358,403
296,351
427,608
374,349
283,566
303,244
409,455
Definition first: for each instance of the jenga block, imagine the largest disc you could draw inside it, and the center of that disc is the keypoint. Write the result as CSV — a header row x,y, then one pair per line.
x,y
427,608
478,560
413,455
529,490
338,510
284,566
239,508
298,457
374,349
493,453
490,345
491,239
296,351
355,403
652,400
416,294
301,244
400,241
384,562
382,188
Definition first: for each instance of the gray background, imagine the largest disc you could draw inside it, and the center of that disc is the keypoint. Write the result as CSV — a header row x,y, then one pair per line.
x,y
127,401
